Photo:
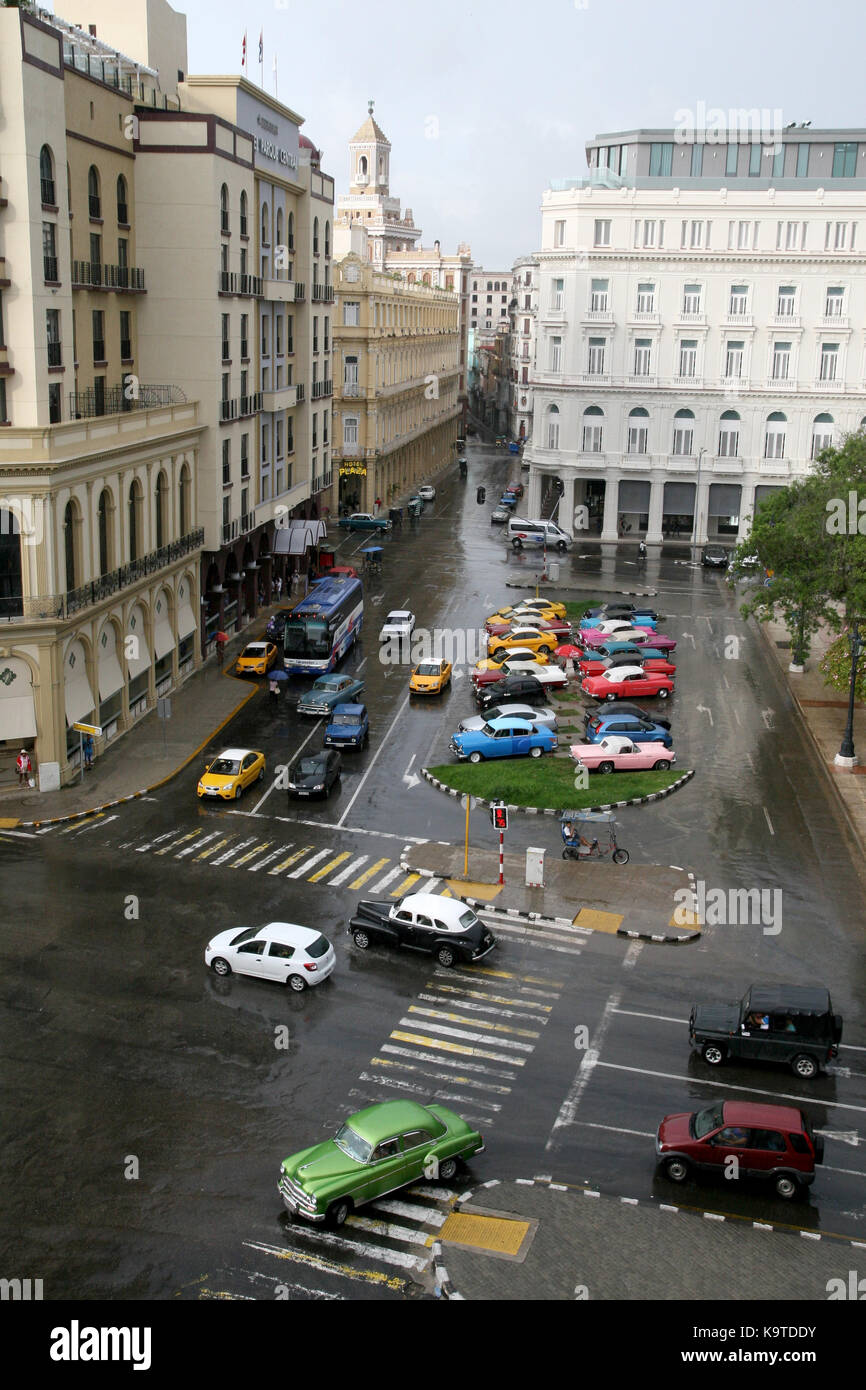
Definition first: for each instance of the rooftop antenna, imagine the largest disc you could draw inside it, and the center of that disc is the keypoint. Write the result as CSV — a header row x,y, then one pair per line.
x,y
370,105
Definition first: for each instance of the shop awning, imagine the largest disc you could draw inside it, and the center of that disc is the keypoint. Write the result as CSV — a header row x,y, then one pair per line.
x,y
110,674
136,664
724,499
79,697
17,717
298,537
163,637
185,621
633,496
679,498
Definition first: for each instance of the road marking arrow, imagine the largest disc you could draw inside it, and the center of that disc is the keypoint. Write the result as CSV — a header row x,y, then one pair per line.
x,y
689,636
845,1136
767,715
411,778
702,709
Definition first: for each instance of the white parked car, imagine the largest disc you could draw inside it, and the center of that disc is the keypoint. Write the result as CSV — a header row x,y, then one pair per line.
x,y
544,718
282,951
427,491
398,626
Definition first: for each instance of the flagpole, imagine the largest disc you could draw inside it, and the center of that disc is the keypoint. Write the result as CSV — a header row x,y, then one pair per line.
x,y
262,60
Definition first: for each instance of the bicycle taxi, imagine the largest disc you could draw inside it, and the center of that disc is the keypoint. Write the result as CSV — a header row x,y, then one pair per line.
x,y
590,835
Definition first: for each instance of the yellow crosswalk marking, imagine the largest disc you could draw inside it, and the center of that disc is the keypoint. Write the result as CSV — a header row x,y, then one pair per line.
x,y
405,885
494,998
368,873
475,1022
292,859
174,844
251,854
331,864
423,1041
212,849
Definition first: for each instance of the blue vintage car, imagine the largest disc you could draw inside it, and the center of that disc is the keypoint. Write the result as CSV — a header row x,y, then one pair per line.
x,y
503,738
364,521
508,499
347,727
328,691
605,723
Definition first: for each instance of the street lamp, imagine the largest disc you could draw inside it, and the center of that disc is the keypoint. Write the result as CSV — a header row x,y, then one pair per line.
x,y
846,757
696,528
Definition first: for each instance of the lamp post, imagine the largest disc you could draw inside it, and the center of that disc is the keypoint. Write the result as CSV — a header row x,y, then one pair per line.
x,y
846,757
696,528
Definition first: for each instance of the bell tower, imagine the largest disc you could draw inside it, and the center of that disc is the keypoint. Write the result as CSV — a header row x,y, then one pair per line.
x,y
369,158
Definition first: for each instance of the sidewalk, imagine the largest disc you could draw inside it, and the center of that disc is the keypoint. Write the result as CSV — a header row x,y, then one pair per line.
x,y
537,1240
635,900
152,752
824,713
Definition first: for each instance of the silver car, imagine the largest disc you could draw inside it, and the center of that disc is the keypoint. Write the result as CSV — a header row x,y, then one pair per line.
x,y
544,718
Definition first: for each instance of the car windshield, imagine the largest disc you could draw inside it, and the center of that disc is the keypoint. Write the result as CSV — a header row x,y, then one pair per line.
x,y
306,637
225,767
255,649
707,1120
347,719
352,1144
427,668
467,919
246,935
488,730
308,767
318,948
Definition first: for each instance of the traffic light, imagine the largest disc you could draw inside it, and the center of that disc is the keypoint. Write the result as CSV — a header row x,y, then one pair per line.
x,y
481,495
499,816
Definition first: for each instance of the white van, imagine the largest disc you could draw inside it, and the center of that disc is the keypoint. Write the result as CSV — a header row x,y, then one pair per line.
x,y
521,533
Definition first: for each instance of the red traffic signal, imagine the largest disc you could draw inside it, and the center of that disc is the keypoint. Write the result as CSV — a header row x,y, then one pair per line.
x,y
499,816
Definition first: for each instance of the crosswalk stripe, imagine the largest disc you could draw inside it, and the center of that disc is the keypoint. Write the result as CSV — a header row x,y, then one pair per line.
x,y
269,858
475,1022
489,998
301,871
332,864
190,849
326,1266
433,885
391,1229
442,1076
405,885
383,882
233,850
206,853
479,1067
397,1084
292,859
101,820
412,1210
483,1008
458,1047
350,868
543,944
76,825
368,874
477,979
463,1033
251,854
167,849
389,1257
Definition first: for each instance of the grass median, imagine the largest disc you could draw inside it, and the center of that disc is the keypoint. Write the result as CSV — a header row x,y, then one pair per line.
x,y
549,782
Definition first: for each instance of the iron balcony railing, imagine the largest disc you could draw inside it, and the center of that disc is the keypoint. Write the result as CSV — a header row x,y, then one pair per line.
x,y
300,393
322,388
55,354
230,282
49,267
251,405
300,291
113,400
95,275
123,214
47,189
323,294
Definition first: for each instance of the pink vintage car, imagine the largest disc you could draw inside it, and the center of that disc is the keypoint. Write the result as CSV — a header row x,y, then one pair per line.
x,y
616,753
598,636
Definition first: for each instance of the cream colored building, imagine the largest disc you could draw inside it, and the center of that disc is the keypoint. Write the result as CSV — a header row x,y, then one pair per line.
x,y
396,407
99,592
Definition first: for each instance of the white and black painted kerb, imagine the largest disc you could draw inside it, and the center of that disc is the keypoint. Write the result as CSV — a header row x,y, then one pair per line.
x,y
552,811
83,815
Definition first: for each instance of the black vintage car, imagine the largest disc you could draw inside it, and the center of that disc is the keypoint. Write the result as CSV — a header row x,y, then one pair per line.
x,y
315,773
514,687
443,927
793,1024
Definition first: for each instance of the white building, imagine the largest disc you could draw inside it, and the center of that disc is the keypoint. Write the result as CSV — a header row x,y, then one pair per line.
x,y
700,327
489,300
522,310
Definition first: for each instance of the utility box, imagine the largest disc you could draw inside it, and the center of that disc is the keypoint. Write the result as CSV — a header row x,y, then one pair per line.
x,y
535,868
553,571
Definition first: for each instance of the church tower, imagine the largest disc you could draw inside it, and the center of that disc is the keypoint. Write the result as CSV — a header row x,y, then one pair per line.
x,y
369,158
369,204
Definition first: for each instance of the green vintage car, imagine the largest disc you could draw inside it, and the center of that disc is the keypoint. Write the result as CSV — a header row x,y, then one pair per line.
x,y
376,1151
364,521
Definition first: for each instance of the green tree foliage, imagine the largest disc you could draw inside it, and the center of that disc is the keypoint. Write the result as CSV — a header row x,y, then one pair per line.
x,y
835,666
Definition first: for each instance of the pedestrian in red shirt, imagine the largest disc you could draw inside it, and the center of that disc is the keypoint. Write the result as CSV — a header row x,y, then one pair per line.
x,y
24,767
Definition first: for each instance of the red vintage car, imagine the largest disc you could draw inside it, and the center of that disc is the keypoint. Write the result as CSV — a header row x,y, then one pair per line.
x,y
561,626
596,663
549,676
625,682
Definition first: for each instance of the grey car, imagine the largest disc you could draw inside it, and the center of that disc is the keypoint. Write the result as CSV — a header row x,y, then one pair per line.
x,y
543,718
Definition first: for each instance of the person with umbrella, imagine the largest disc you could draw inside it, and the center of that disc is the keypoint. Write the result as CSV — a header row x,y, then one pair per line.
x,y
221,639
275,679
570,656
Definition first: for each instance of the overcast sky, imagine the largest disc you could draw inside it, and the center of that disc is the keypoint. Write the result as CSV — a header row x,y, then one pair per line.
x,y
485,102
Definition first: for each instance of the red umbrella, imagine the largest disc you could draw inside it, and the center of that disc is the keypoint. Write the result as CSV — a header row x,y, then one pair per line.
x,y
568,650
222,637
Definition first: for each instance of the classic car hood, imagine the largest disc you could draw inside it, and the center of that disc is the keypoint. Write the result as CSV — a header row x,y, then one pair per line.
x,y
674,1129
718,1018
308,779
344,732
324,1161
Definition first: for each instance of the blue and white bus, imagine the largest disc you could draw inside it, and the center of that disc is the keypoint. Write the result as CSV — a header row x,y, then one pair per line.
x,y
322,627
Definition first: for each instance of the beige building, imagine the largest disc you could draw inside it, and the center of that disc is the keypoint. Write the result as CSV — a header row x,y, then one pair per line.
x,y
522,307
99,592
396,407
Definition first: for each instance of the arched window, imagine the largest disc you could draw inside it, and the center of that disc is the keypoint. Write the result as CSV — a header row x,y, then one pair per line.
x,y
184,498
729,435
426,277
411,277
104,514
122,204
315,236
553,427
327,238
135,529
362,166
774,435
291,241
822,434
593,418
224,209
46,176
70,538
684,433
161,509
11,601
94,201
279,241
638,429
266,226
243,213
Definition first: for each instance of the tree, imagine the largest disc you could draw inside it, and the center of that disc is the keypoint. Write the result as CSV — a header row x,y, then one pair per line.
x,y
835,666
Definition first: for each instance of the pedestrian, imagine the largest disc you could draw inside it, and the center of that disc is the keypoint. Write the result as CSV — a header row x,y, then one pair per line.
x,y
219,649
378,504
641,550
87,749
24,767
274,688
278,586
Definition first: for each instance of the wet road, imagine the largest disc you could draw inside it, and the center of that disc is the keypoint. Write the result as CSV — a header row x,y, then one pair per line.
x,y
149,1103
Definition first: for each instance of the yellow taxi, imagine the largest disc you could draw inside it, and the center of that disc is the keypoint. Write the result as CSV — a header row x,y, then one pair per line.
x,y
231,773
430,677
537,640
516,657
256,659
544,608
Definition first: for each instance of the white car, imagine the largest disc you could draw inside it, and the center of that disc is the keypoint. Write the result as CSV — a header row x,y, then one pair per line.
x,y
427,491
544,718
282,951
554,676
398,626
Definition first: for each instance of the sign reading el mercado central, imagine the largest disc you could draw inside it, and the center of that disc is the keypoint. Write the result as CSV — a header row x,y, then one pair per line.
x,y
275,136
270,149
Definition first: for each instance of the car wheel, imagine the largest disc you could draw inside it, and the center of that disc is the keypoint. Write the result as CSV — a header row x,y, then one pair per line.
x,y
664,693
238,792
712,1053
804,1066
660,764
475,757
261,775
620,856
517,543
220,966
338,1212
606,767
448,1169
560,545
445,956
297,983
535,752
544,651
611,696
361,940
676,1169
786,1186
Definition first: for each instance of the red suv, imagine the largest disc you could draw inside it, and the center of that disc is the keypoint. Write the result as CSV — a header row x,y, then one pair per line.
x,y
769,1141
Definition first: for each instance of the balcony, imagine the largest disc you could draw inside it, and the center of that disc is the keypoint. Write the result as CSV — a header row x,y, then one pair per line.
x,y
284,398
300,291
94,207
688,383
228,411
598,316
229,532
48,193
322,388
781,383
55,354
115,400
786,321
727,464
682,463
738,321
351,389
645,316
232,283
300,393
278,291
840,321
94,275
249,405
691,320
49,269
248,522
323,294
